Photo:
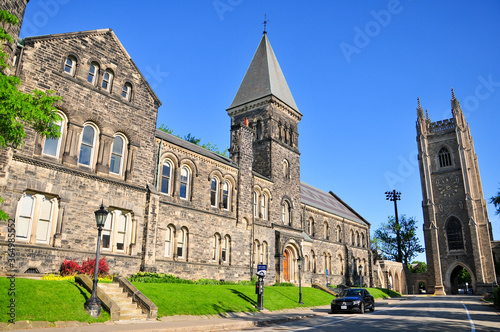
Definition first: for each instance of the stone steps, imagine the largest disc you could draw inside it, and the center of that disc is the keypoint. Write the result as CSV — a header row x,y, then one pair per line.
x,y
128,309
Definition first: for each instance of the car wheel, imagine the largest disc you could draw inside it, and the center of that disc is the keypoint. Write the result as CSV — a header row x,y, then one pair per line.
x,y
372,308
362,308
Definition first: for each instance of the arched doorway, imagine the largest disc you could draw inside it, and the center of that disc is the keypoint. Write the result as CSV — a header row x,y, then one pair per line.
x,y
290,268
460,280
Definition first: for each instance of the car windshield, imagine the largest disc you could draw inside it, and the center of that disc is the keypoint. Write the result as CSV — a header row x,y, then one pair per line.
x,y
351,292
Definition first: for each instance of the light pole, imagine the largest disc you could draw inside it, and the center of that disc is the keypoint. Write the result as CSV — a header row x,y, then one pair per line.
x,y
299,263
93,304
395,196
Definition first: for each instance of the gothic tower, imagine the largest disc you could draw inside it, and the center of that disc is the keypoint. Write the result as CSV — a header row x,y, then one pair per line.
x,y
266,101
456,227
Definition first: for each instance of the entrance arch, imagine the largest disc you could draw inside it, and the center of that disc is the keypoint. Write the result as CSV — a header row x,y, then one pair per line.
x,y
290,267
453,280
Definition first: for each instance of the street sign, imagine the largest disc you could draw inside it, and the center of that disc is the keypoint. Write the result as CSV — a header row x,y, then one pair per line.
x,y
326,271
261,267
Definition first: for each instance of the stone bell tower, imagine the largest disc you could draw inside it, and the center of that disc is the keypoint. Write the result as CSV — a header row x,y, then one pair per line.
x,y
457,230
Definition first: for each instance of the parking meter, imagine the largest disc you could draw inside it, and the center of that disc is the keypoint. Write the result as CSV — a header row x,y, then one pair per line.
x,y
259,289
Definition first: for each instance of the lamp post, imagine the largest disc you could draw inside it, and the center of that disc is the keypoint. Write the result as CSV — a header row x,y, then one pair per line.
x,y
299,263
395,196
93,304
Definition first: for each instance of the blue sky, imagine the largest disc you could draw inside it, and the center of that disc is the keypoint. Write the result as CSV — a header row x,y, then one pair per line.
x,y
355,69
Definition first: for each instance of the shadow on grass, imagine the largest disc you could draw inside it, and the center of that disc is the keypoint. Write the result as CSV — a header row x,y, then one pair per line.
x,y
390,292
291,299
243,296
82,291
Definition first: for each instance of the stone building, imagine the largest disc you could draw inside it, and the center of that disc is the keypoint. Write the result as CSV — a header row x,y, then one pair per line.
x,y
456,226
174,206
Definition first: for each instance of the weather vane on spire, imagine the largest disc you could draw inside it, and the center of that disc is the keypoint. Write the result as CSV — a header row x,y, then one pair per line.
x,y
265,23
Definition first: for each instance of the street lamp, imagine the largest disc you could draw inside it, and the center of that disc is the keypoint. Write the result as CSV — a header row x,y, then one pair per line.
x,y
299,263
93,304
395,196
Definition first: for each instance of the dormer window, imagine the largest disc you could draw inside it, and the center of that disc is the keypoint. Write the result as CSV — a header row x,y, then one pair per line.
x,y
70,65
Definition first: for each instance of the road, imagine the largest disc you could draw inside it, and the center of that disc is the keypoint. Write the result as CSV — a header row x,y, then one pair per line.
x,y
432,313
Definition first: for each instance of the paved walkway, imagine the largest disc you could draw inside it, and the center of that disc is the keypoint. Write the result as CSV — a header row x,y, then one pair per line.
x,y
234,321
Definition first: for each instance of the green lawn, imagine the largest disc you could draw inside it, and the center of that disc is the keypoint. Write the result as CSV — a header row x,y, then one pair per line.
x,y
185,299
42,300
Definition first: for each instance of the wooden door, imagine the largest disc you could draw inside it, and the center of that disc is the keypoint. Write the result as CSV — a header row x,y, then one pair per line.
x,y
286,277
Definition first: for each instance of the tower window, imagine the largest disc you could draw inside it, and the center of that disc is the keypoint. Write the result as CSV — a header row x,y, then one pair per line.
x,y
444,157
70,65
93,72
454,234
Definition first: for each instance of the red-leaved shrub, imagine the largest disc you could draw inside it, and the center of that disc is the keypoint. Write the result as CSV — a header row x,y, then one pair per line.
x,y
88,267
70,268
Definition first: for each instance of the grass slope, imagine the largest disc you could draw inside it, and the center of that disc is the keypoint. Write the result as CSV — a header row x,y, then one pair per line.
x,y
42,300
182,299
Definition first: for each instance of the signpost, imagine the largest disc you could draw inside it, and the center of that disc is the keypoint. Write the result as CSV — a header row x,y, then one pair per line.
x,y
259,286
326,277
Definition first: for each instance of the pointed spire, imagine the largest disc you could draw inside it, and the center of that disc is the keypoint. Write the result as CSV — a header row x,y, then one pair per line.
x,y
264,78
452,94
420,111
454,102
427,115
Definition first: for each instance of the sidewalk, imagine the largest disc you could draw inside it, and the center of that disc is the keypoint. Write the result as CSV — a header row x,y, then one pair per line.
x,y
232,321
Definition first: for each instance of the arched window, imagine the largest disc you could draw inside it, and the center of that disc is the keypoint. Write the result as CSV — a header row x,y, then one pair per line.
x,y
444,157
339,234
325,262
166,176
329,264
352,237
226,195
214,188
107,80
454,234
87,145
226,249
255,204
357,239
286,169
256,252
52,146
307,266
117,155
341,265
325,230
215,247
259,129
313,262
265,254
127,91
285,213
70,65
363,240
182,244
93,73
184,187
264,205
169,243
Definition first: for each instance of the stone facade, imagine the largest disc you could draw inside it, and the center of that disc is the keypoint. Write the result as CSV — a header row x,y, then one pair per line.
x,y
174,206
456,226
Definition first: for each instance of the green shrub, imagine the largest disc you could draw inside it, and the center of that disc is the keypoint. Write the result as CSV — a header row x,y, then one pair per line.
x,y
496,296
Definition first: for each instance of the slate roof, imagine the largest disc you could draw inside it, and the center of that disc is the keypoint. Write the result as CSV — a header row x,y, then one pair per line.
x,y
193,147
263,78
328,202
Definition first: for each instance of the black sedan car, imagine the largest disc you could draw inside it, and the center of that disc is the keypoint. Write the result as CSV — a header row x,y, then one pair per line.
x,y
353,299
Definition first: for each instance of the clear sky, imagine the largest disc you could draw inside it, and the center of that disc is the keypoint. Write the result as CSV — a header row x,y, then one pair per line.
x,y
355,69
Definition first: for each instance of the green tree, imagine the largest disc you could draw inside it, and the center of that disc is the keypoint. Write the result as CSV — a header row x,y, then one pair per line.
x,y
464,277
386,238
18,109
417,267
496,201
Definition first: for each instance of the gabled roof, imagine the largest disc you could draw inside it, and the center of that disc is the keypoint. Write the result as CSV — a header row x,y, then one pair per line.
x,y
263,78
328,202
80,34
193,147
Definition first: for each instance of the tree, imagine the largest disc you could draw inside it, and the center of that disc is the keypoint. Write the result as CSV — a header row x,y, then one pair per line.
x,y
386,237
417,267
17,108
496,201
